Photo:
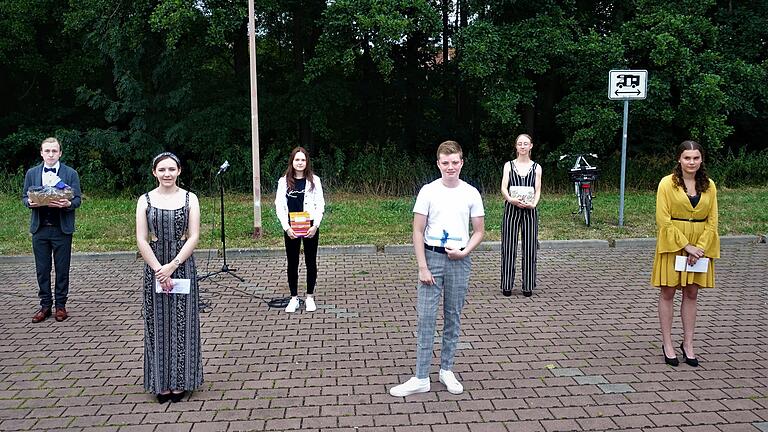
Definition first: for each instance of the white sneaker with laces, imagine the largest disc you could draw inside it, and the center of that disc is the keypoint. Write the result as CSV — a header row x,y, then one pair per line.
x,y
310,303
292,305
451,383
412,386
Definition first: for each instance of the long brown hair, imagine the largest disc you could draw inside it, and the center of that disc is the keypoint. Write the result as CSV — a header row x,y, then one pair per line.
x,y
702,180
290,172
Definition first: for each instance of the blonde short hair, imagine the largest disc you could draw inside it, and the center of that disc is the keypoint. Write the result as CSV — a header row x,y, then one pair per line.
x,y
449,148
50,140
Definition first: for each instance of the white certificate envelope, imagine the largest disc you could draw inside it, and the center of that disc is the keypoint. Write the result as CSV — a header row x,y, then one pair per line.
x,y
180,286
681,264
522,193
53,180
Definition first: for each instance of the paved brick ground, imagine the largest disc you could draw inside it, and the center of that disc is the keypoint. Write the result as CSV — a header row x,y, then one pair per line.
x,y
582,354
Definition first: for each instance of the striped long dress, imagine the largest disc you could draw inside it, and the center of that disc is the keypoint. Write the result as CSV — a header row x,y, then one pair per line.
x,y
172,352
526,223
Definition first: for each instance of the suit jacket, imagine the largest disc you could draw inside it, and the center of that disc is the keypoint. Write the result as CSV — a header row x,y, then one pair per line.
x,y
69,176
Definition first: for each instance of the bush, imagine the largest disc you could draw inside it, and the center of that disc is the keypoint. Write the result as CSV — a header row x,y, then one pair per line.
x,y
106,168
387,172
744,169
21,147
643,172
330,166
95,179
12,183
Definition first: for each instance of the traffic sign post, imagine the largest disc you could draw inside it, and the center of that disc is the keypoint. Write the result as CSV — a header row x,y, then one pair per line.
x,y
626,85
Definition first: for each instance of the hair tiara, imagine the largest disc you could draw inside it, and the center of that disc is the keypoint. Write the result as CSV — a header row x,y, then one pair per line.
x,y
163,155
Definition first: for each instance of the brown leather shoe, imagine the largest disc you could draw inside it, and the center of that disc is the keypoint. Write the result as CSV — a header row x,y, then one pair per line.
x,y
41,315
61,314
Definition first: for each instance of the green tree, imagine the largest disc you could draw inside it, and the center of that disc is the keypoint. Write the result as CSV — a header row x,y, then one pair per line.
x,y
370,86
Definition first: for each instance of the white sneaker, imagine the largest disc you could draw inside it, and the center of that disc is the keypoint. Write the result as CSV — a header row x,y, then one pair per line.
x,y
451,383
413,385
292,305
310,304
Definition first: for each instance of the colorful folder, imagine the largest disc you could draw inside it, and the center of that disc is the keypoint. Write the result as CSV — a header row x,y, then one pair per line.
x,y
300,223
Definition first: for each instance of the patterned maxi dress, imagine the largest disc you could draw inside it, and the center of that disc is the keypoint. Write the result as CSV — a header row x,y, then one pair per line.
x,y
172,352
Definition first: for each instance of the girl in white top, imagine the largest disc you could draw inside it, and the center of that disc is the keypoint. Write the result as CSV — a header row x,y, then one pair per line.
x,y
300,190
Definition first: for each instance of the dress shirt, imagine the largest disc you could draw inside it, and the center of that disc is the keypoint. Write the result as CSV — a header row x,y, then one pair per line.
x,y
51,178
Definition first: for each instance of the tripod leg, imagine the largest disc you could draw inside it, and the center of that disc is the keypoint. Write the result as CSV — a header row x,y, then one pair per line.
x,y
225,267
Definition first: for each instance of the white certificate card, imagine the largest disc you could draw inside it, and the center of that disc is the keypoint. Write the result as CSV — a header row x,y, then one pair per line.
x,y
180,286
522,193
701,266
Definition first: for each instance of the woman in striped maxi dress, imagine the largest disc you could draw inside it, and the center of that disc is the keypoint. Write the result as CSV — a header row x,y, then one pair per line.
x,y
167,231
521,188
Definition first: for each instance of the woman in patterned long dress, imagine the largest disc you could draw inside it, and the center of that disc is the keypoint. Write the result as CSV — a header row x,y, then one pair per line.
x,y
686,219
167,231
520,216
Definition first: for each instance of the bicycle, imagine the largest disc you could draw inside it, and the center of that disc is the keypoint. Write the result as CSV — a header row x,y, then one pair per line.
x,y
583,175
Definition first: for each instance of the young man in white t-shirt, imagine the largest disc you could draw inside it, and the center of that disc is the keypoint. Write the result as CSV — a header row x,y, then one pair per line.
x,y
442,242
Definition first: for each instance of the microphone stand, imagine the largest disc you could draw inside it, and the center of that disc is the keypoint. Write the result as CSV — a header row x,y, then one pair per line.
x,y
224,268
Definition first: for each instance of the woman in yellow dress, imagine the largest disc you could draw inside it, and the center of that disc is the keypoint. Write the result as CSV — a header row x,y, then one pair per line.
x,y
686,219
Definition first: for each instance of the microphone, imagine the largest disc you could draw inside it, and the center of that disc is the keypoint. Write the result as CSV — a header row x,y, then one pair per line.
x,y
223,168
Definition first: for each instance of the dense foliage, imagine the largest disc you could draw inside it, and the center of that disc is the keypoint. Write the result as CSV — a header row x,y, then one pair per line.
x,y
370,87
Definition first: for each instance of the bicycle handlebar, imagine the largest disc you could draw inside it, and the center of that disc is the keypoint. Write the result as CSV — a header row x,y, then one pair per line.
x,y
577,156
580,159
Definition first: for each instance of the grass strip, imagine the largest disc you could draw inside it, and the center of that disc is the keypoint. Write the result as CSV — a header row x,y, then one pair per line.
x,y
107,223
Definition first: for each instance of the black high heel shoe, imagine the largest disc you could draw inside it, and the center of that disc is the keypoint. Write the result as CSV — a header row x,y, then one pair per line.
x,y
163,398
689,361
672,361
178,397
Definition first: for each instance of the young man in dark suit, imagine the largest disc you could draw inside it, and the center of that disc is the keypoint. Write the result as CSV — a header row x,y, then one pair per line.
x,y
52,226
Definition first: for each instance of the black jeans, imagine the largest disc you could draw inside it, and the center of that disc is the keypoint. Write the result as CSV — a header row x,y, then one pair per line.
x,y
50,242
292,248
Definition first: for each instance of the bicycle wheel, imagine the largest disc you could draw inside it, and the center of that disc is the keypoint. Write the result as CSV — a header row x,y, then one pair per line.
x,y
586,205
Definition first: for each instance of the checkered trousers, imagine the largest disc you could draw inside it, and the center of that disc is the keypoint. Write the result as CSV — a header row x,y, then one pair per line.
x,y
452,281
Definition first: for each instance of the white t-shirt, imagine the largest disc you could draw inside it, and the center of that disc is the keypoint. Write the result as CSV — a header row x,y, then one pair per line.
x,y
448,211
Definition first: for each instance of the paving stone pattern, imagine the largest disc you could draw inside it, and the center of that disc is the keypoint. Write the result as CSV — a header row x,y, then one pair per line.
x,y
582,354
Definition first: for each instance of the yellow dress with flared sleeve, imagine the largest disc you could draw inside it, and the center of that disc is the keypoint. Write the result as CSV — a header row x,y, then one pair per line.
x,y
679,224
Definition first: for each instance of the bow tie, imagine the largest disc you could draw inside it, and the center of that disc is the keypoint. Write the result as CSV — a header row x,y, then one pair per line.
x,y
53,170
